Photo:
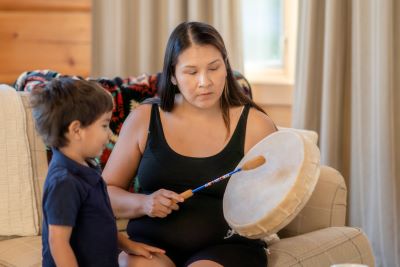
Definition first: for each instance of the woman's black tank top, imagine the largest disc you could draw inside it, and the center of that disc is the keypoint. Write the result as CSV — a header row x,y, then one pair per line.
x,y
199,222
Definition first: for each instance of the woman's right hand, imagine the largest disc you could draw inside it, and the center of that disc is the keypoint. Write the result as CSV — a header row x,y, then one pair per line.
x,y
161,203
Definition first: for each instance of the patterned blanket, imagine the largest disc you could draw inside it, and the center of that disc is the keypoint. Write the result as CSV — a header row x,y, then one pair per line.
x,y
127,93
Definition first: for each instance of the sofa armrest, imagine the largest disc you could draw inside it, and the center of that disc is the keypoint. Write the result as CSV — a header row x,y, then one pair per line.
x,y
325,208
322,248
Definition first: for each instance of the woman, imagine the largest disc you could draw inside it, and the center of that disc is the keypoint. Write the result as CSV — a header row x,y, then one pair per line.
x,y
201,130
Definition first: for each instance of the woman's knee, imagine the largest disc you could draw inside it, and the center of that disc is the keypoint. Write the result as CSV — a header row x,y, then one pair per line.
x,y
205,263
158,260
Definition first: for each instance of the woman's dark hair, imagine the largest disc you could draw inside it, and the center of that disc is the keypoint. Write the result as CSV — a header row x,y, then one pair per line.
x,y
64,100
184,36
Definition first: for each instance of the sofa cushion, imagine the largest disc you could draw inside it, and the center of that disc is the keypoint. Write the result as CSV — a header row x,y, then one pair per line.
x,y
38,155
322,248
325,208
18,205
310,135
23,251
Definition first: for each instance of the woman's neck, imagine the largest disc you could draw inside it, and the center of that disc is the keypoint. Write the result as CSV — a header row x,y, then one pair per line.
x,y
184,107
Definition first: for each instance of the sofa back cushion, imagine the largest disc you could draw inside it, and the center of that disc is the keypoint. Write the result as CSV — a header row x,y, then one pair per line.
x,y
325,208
19,205
38,154
327,204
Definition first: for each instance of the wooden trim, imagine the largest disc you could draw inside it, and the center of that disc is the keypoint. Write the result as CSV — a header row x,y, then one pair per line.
x,y
280,114
46,5
44,27
45,34
273,94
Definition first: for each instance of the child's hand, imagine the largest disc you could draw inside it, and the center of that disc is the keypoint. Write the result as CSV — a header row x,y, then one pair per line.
x,y
141,249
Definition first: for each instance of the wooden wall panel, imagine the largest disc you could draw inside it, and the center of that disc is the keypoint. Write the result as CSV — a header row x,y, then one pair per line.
x,y
17,26
36,36
62,5
280,114
276,100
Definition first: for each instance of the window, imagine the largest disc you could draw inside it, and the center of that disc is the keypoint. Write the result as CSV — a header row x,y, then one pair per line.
x,y
269,34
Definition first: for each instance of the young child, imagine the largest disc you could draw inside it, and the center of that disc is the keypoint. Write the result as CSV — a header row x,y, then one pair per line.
x,y
79,228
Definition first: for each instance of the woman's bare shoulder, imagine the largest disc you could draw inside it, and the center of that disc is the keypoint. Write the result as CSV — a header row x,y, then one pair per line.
x,y
129,147
139,114
137,124
259,125
258,117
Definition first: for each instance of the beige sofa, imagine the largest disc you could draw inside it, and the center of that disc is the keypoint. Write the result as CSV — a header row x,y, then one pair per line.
x,y
316,237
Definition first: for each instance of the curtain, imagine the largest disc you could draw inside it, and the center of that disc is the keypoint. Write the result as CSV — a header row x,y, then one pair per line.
x,y
129,36
348,90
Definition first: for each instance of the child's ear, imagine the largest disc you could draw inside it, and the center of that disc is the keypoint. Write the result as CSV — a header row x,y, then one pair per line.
x,y
74,130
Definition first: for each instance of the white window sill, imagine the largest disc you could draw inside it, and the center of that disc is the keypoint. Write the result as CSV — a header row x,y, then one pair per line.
x,y
270,77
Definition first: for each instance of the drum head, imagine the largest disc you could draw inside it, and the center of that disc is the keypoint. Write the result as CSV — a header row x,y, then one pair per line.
x,y
262,201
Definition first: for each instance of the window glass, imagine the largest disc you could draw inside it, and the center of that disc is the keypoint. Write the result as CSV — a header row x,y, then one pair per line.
x,y
263,34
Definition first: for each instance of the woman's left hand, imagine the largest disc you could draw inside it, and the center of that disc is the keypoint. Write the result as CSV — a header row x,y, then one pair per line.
x,y
140,249
136,248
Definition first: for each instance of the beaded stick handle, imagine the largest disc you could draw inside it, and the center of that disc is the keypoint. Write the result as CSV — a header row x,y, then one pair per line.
x,y
249,165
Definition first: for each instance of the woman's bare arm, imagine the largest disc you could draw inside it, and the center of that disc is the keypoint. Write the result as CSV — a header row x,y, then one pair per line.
x,y
122,166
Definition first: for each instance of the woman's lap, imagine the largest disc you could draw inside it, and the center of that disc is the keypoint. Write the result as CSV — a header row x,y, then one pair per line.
x,y
158,260
228,255
232,255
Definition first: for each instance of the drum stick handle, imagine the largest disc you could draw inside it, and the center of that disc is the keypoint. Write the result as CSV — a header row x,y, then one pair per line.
x,y
216,180
188,193
249,165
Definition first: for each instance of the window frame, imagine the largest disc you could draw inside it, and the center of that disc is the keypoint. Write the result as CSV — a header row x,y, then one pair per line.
x,y
284,75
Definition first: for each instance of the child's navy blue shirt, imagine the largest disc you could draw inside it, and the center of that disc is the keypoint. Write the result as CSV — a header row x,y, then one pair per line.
x,y
75,195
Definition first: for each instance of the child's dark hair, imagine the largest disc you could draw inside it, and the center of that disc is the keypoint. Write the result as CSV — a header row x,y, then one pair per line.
x,y
64,100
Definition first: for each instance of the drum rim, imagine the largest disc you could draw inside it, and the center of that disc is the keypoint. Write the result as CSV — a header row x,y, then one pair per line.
x,y
256,229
